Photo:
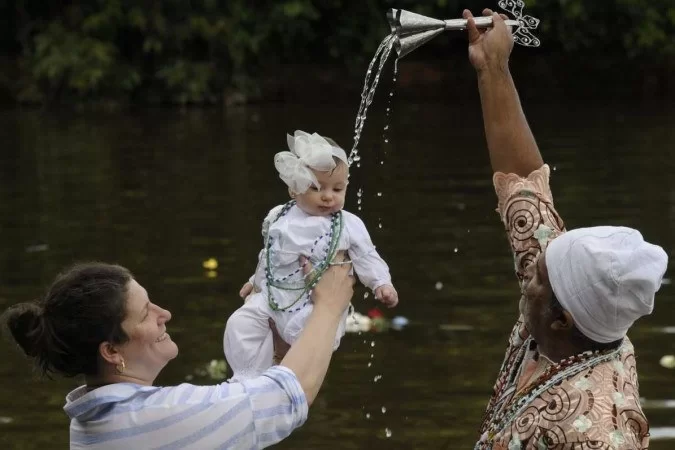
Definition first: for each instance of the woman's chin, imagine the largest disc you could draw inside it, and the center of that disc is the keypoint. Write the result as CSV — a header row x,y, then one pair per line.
x,y
175,350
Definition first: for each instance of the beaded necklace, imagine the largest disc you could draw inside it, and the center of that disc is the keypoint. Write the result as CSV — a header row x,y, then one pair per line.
x,y
553,375
333,235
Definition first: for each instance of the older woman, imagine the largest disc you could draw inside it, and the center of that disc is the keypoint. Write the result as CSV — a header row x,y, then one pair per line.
x,y
569,378
96,320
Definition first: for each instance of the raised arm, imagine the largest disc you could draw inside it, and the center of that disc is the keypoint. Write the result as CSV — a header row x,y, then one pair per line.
x,y
509,138
521,179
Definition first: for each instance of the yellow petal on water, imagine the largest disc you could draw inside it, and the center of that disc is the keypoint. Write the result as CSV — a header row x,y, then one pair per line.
x,y
211,274
668,361
210,264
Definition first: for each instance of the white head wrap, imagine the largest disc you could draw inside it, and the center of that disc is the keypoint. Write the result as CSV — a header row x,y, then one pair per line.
x,y
605,277
307,151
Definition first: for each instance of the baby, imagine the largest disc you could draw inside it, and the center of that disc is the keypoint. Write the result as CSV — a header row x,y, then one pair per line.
x,y
314,226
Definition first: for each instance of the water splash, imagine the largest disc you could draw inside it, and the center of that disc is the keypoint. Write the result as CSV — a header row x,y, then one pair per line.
x,y
368,93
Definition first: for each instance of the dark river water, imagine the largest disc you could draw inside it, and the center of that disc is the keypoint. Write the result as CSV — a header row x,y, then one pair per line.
x,y
161,191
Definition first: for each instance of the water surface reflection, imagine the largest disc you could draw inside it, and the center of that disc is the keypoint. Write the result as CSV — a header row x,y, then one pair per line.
x,y
162,191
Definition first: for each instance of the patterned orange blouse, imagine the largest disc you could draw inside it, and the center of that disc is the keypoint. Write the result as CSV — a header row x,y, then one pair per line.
x,y
596,408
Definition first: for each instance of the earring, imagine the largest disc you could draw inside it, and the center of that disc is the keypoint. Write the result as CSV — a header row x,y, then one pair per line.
x,y
120,367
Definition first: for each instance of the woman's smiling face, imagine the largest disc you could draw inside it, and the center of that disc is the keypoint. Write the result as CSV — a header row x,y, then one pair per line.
x,y
149,347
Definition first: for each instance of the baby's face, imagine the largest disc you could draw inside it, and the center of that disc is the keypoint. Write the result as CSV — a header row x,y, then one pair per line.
x,y
331,197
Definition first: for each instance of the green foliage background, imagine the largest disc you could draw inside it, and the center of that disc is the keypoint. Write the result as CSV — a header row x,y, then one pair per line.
x,y
197,51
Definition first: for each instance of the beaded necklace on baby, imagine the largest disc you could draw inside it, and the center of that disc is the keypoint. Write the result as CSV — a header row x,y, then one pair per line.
x,y
554,374
334,233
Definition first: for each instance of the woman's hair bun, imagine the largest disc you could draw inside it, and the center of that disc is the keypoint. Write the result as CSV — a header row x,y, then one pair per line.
x,y
25,321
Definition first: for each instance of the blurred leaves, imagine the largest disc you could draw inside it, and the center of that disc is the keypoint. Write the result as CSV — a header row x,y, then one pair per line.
x,y
194,52
631,27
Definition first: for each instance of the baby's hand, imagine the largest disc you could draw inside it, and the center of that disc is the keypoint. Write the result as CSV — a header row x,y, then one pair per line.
x,y
387,295
245,290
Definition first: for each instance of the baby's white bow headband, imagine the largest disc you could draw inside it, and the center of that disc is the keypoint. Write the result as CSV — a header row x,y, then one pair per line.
x,y
307,151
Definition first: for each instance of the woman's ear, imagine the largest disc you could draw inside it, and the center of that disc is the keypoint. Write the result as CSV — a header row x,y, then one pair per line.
x,y
110,353
291,193
564,322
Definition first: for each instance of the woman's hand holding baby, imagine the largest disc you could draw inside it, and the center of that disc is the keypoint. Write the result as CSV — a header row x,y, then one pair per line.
x,y
387,295
246,289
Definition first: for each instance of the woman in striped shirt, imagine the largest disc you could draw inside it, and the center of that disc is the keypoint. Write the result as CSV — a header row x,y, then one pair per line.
x,y
97,321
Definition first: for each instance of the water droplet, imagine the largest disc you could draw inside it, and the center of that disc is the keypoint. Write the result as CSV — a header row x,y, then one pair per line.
x,y
358,165
387,432
370,364
384,410
439,286
456,250
379,225
386,127
367,415
357,158
358,201
372,355
379,194
386,141
388,109
366,295
372,343
377,378
381,163
391,94
554,168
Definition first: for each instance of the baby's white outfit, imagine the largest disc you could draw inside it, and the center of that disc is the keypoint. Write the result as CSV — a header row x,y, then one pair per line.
x,y
248,340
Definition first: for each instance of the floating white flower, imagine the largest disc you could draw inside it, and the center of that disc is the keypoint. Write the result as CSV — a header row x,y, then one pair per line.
x,y
357,322
668,361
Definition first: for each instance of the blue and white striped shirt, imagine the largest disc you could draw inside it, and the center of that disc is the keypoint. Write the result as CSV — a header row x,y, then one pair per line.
x,y
250,415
